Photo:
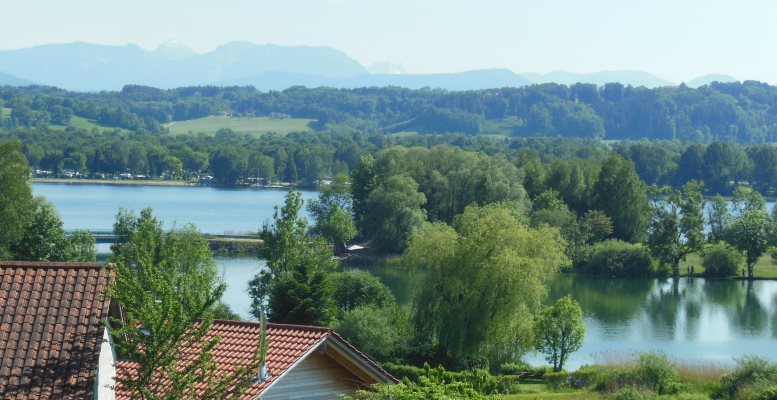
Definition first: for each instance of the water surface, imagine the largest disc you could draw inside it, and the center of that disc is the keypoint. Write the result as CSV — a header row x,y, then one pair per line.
x,y
213,210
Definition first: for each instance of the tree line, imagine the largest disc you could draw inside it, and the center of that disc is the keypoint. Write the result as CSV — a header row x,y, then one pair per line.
x,y
730,112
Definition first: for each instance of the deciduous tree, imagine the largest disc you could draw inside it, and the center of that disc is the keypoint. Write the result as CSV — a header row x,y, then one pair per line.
x,y
621,194
16,203
392,211
560,331
677,228
167,286
485,280
292,287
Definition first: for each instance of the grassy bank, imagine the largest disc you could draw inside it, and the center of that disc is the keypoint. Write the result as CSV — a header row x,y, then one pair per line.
x,y
764,268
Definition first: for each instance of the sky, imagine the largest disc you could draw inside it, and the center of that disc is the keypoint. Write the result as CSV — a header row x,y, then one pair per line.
x,y
675,39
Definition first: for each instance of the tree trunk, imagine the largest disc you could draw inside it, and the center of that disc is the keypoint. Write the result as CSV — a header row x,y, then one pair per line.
x,y
676,268
561,361
750,268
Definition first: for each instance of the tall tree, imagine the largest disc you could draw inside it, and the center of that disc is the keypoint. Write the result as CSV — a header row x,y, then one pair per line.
x,y
560,331
45,240
293,286
677,228
623,196
719,217
167,286
16,202
363,182
392,211
484,282
751,233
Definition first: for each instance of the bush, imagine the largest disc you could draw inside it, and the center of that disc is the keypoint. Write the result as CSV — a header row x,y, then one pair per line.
x,y
768,394
657,372
634,393
479,379
653,372
583,377
379,332
722,260
753,376
615,258
514,368
354,289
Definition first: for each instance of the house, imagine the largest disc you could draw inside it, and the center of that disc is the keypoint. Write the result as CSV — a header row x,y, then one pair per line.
x,y
53,340
303,362
54,343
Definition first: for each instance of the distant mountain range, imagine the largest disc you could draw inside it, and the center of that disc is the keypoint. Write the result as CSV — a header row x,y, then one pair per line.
x,y
92,67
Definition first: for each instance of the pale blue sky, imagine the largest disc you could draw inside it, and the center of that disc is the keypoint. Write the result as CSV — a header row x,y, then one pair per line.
x,y
676,40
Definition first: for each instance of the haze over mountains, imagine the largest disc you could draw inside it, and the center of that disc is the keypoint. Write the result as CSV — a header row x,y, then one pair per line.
x,y
92,67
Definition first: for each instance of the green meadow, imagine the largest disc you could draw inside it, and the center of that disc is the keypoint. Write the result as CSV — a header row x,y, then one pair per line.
x,y
252,125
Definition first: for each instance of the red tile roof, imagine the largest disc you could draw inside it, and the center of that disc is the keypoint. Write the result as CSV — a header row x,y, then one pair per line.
x,y
239,341
51,328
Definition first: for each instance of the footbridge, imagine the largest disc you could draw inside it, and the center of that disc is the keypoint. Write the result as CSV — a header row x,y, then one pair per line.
x,y
107,236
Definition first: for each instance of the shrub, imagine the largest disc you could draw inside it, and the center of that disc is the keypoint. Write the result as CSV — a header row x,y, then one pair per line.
x,y
652,371
615,258
657,372
354,289
721,259
634,393
768,394
583,377
379,332
513,368
753,376
478,379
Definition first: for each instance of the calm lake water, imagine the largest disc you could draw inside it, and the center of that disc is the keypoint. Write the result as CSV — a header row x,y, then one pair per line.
x,y
694,319
213,210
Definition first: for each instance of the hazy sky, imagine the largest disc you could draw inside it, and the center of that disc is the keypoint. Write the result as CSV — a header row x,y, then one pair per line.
x,y
674,39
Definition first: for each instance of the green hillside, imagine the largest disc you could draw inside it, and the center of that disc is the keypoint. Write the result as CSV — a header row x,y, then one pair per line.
x,y
86,124
252,125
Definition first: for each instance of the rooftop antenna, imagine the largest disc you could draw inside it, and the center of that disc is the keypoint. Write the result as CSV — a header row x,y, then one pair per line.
x,y
263,373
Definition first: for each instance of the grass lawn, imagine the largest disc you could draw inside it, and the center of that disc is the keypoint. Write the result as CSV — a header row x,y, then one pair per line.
x,y
535,389
5,113
555,395
85,124
764,268
253,125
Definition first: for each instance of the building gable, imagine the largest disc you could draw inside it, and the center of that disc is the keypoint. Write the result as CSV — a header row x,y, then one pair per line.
x,y
317,377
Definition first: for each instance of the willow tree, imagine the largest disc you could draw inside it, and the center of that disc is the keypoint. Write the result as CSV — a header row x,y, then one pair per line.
x,y
484,283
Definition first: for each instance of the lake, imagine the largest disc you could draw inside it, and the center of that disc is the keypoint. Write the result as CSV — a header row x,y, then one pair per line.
x,y
213,210
692,319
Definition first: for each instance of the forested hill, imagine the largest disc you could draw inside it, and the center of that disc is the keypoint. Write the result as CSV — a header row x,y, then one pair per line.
x,y
732,112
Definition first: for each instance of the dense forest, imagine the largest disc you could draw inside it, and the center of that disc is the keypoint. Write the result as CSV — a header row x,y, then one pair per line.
x,y
307,157
732,112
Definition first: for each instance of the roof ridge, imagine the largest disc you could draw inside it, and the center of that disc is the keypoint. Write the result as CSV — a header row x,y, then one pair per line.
x,y
47,264
273,325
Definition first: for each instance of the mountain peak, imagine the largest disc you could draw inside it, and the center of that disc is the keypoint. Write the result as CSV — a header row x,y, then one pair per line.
x,y
174,50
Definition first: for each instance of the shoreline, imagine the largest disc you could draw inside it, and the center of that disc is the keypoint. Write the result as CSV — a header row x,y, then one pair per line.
x,y
135,182
128,182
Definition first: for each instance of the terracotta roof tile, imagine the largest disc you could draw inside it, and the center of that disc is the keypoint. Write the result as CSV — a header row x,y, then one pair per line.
x,y
50,329
239,341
